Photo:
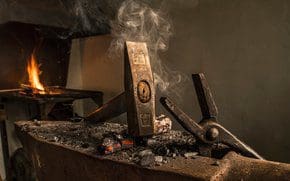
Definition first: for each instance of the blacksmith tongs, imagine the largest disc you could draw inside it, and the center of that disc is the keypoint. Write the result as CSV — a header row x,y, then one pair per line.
x,y
207,132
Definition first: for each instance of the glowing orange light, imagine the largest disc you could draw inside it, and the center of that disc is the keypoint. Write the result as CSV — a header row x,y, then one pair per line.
x,y
33,73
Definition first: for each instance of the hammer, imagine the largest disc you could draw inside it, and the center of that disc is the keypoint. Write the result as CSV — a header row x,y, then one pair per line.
x,y
138,99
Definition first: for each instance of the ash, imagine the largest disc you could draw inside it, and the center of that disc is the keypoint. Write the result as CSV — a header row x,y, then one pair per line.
x,y
87,138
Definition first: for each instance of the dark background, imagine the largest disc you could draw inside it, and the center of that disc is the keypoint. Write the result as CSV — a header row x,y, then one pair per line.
x,y
243,48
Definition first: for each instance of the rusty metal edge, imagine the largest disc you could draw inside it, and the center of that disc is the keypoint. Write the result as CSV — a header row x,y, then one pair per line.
x,y
31,145
57,162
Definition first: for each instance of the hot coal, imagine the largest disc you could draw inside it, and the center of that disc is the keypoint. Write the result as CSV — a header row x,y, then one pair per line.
x,y
154,151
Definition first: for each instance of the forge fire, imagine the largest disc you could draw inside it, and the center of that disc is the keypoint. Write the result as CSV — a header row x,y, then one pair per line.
x,y
33,74
144,90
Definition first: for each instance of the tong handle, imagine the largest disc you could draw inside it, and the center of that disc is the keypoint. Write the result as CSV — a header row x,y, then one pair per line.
x,y
184,120
208,132
232,141
205,98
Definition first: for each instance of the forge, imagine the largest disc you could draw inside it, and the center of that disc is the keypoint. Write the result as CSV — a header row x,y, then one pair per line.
x,y
112,90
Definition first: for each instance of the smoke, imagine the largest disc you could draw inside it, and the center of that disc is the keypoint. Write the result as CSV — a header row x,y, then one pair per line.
x,y
81,11
136,21
88,17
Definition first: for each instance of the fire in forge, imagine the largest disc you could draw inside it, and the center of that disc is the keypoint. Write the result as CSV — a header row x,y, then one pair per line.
x,y
144,90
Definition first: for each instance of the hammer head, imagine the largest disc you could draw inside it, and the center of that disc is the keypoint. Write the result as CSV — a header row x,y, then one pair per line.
x,y
139,89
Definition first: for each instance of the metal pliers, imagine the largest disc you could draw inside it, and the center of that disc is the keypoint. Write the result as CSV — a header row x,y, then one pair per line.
x,y
208,132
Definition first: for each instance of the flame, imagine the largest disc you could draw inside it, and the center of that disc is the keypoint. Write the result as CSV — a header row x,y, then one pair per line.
x,y
33,73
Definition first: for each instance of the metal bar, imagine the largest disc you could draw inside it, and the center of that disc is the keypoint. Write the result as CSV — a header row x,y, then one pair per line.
x,y
9,90
113,108
205,99
4,141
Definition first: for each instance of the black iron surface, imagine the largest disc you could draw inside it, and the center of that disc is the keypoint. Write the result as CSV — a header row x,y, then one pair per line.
x,y
53,94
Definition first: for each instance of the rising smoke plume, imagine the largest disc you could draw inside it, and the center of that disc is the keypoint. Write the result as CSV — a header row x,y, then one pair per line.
x,y
88,17
136,21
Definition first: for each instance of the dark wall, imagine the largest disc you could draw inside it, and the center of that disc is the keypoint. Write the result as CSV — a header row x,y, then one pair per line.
x,y
243,48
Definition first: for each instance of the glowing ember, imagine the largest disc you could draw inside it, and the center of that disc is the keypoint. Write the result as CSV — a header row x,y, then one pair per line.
x,y
33,73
